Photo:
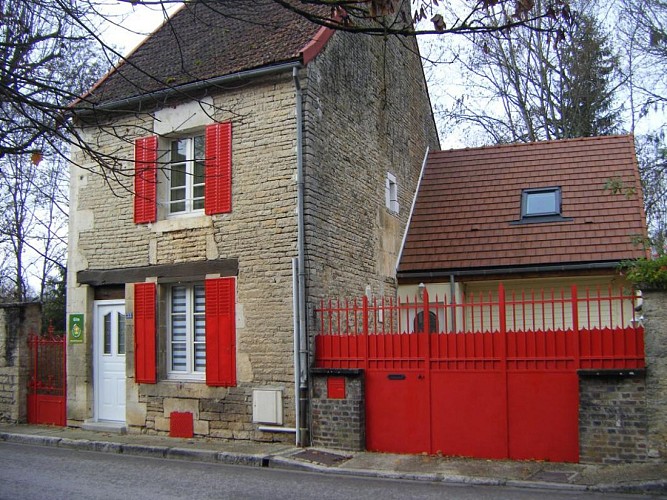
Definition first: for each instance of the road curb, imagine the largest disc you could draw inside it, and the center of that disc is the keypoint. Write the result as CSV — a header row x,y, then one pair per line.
x,y
278,461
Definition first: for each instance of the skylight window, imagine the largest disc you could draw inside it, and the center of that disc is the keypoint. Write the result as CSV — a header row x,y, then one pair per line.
x,y
540,202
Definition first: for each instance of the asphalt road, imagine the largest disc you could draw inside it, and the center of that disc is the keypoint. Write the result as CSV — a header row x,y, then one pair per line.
x,y
34,472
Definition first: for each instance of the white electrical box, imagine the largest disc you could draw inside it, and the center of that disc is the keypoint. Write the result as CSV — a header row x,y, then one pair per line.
x,y
267,406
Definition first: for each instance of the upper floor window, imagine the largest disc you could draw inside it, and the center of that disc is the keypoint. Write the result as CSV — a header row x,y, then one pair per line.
x,y
391,193
540,202
186,175
197,177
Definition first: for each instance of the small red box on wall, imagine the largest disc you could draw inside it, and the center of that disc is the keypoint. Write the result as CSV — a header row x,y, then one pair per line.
x,y
181,424
336,387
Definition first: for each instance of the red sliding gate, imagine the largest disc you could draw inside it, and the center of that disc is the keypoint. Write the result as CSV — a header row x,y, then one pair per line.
x,y
47,393
495,377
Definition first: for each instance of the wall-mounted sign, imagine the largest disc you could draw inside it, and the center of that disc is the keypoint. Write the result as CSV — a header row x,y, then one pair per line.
x,y
75,328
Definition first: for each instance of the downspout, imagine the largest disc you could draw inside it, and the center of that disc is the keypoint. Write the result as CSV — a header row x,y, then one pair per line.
x,y
297,343
301,252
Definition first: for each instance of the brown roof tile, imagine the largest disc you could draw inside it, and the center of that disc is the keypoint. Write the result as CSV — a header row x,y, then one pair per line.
x,y
481,189
204,40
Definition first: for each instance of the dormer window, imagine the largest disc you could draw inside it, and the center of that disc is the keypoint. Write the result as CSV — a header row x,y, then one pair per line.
x,y
540,202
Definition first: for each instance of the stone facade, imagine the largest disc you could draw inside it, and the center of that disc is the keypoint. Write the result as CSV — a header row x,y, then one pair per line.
x,y
356,129
338,422
17,322
367,114
260,233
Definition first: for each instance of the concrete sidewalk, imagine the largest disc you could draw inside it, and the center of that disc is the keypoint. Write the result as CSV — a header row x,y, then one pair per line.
x,y
638,478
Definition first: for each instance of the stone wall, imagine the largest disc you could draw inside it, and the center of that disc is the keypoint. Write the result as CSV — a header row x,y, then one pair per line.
x,y
17,322
654,310
612,417
339,421
367,114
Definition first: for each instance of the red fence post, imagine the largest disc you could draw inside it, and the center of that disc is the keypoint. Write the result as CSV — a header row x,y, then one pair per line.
x,y
364,328
575,328
502,329
427,367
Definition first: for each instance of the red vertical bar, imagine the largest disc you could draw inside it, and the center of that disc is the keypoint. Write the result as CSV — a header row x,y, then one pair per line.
x,y
575,327
35,363
364,319
502,328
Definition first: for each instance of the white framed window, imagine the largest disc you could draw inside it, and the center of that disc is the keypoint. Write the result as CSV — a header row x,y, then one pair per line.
x,y
391,193
186,175
187,331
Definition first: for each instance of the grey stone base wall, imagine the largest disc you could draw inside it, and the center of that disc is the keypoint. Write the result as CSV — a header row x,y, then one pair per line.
x,y
338,423
218,413
17,322
613,423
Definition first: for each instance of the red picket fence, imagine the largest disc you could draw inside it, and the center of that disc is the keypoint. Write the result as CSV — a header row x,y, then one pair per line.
x,y
47,394
495,377
597,331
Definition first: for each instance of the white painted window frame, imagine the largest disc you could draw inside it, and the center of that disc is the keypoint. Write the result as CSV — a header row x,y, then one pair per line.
x,y
189,177
190,372
391,193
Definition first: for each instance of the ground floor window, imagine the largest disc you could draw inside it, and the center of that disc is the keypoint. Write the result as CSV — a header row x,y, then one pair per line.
x,y
187,331
199,332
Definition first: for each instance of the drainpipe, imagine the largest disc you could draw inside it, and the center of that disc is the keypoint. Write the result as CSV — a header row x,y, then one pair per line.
x,y
301,251
297,343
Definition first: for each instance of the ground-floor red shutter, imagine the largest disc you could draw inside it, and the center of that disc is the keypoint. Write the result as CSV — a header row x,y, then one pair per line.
x,y
218,174
220,332
145,180
145,365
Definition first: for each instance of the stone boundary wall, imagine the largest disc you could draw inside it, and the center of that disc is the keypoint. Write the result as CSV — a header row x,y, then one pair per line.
x,y
17,321
339,420
612,416
654,310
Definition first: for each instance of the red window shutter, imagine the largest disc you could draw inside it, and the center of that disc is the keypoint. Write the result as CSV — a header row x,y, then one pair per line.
x,y
220,332
145,180
218,182
144,333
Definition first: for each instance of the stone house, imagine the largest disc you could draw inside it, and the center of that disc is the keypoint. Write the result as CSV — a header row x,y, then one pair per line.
x,y
244,170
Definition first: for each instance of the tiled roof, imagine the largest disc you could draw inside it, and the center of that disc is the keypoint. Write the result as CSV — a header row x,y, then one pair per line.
x,y
205,40
469,201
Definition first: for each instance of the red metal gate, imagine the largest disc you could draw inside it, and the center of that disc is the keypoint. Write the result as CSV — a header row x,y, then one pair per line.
x,y
495,377
47,393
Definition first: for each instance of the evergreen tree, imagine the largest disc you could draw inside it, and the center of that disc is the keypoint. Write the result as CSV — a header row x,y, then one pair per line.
x,y
587,67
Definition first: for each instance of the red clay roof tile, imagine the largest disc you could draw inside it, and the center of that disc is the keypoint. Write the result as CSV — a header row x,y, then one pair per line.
x,y
469,204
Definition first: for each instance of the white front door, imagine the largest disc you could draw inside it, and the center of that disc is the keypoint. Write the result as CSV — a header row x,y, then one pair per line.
x,y
109,345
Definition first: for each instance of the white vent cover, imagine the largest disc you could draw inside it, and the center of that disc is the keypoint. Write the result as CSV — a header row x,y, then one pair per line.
x,y
267,406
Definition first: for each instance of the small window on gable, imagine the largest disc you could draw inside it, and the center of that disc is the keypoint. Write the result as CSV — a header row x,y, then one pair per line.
x,y
391,193
540,202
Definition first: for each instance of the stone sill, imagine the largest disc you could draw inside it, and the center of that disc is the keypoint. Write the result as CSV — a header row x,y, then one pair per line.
x,y
182,223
